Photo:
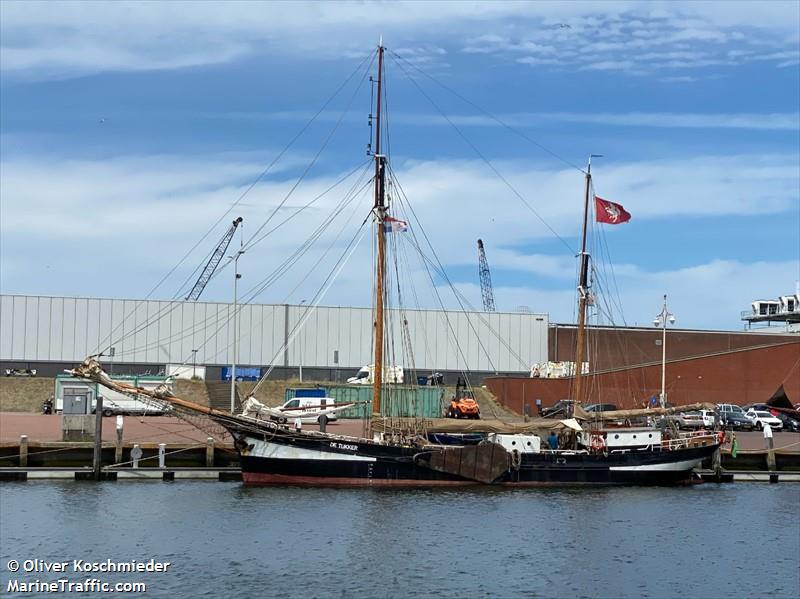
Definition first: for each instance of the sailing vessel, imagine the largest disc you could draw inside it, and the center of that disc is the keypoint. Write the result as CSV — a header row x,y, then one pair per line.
x,y
399,452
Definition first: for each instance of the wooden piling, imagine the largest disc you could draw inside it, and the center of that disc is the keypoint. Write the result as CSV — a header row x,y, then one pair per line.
x,y
210,452
97,458
23,450
118,447
716,465
770,455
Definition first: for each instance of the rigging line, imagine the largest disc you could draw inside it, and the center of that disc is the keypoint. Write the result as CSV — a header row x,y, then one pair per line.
x,y
238,200
308,168
490,115
491,166
617,295
260,287
462,299
249,296
153,320
317,298
406,348
365,166
330,247
413,289
441,271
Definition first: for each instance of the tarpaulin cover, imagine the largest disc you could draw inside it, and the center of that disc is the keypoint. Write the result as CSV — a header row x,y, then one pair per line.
x,y
453,425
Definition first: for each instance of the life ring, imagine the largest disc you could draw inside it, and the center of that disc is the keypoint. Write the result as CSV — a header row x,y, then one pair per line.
x,y
598,443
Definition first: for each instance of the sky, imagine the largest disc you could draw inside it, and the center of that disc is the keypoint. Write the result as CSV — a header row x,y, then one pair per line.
x,y
131,134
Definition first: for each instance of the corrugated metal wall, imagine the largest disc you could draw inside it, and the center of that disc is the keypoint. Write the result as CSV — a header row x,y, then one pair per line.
x,y
38,328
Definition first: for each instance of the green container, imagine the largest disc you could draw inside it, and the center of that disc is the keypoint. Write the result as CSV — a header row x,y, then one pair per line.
x,y
397,401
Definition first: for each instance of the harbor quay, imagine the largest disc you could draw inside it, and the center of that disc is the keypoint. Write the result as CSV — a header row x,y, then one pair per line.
x,y
32,442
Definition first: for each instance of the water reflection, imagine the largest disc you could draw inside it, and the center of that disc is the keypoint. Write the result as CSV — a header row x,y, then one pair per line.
x,y
232,541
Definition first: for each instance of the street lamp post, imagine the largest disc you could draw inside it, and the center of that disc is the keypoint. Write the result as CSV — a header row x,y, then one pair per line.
x,y
236,277
300,345
194,364
661,321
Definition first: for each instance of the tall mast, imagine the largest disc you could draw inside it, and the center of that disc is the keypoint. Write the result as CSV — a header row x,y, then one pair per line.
x,y
380,214
583,290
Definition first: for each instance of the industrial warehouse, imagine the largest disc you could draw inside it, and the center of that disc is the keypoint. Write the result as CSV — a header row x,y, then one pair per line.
x,y
47,335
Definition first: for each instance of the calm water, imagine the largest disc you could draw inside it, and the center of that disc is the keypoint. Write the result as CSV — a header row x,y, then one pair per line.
x,y
225,540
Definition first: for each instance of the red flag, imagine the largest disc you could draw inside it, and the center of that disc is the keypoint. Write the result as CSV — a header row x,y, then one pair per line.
x,y
610,212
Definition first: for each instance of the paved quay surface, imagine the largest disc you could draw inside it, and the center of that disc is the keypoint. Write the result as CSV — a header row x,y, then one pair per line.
x,y
137,429
168,429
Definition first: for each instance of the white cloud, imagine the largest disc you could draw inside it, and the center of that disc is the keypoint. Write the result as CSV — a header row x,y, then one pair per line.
x,y
709,295
65,39
679,120
116,227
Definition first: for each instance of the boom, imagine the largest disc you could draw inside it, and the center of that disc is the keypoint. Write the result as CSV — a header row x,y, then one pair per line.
x,y
213,262
486,279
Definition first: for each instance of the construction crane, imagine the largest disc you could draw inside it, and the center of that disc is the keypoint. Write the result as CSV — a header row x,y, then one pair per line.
x,y
486,279
213,262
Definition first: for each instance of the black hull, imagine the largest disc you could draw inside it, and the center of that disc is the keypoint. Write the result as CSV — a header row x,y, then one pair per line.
x,y
284,457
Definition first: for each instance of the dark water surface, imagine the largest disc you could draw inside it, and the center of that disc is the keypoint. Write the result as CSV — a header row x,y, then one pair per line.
x,y
224,540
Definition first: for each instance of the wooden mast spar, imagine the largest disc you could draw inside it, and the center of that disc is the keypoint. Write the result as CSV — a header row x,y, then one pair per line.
x,y
380,214
583,290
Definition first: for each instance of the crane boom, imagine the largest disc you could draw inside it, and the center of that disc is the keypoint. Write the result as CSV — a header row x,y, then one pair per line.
x,y
213,262
486,279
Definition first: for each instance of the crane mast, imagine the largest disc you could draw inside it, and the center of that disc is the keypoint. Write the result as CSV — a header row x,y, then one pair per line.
x,y
213,262
486,279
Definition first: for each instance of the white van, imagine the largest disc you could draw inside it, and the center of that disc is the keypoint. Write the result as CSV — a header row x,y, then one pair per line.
x,y
310,406
128,406
366,375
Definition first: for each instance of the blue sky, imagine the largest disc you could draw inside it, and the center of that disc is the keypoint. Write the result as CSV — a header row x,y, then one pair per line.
x,y
129,129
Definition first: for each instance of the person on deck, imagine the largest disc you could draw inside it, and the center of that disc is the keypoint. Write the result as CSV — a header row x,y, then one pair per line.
x,y
552,440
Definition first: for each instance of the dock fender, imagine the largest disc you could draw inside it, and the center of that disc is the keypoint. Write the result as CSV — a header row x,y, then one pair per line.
x,y
516,459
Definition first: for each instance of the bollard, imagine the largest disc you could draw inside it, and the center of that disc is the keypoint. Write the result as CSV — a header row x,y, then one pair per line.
x,y
210,452
323,423
136,454
770,448
118,446
162,449
23,450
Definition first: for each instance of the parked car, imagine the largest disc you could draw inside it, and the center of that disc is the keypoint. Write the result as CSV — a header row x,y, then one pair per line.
x,y
724,408
20,372
756,406
760,417
600,407
790,425
736,421
688,419
559,409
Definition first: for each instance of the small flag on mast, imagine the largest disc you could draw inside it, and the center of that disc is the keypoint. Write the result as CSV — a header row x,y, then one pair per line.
x,y
610,212
394,225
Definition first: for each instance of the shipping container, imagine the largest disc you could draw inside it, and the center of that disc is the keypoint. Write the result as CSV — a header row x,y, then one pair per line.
x,y
398,401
